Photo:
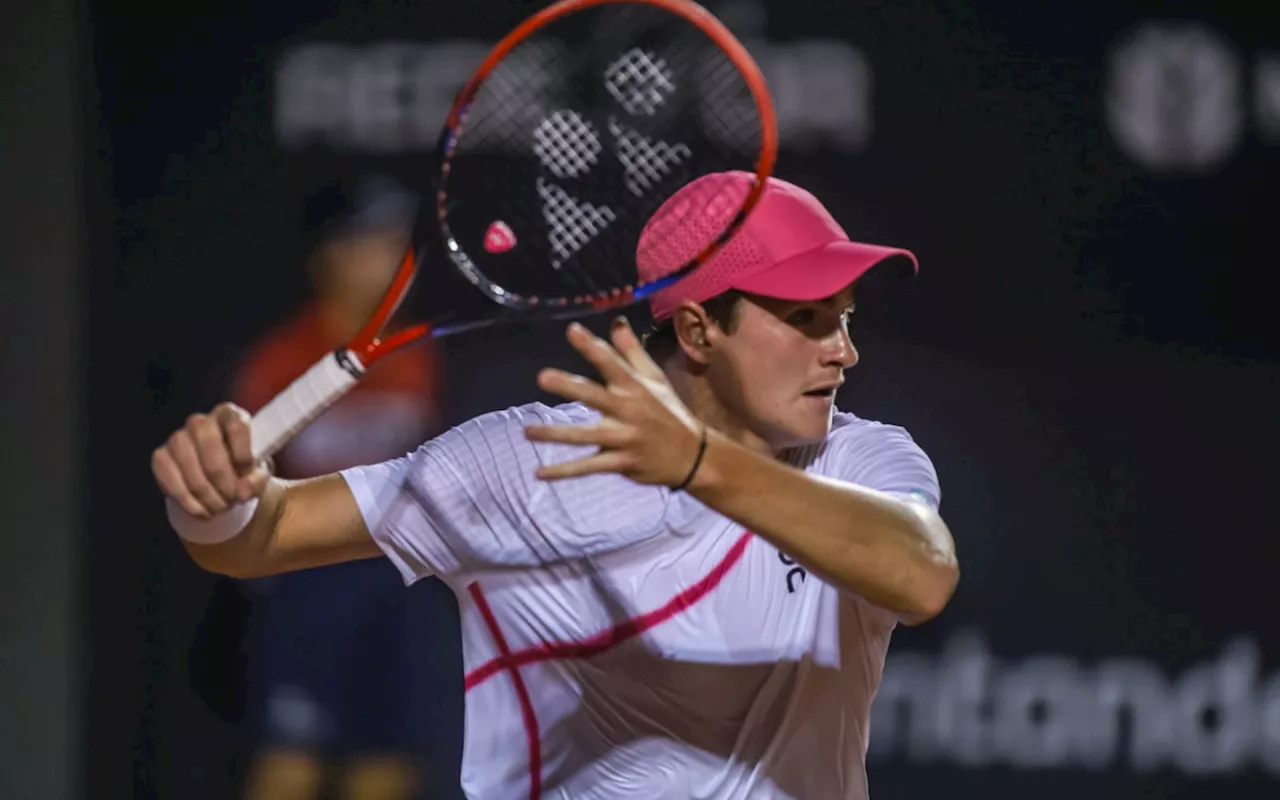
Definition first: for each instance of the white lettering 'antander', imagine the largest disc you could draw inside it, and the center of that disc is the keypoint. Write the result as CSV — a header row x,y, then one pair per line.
x,y
624,641
1053,711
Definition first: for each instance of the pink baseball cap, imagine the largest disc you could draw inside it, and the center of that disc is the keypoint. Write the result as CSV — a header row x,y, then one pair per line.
x,y
790,247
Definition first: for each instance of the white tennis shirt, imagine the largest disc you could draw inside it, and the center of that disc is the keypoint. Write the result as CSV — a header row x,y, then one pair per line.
x,y
625,641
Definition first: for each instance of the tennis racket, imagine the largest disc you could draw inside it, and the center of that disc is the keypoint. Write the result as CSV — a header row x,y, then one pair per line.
x,y
574,130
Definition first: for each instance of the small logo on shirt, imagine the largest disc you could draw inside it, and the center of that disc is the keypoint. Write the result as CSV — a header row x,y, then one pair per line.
x,y
795,575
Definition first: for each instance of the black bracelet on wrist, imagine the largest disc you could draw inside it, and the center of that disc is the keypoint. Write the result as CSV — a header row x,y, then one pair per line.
x,y
697,462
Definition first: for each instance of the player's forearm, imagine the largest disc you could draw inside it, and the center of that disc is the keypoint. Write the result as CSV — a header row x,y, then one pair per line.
x,y
247,553
896,554
297,525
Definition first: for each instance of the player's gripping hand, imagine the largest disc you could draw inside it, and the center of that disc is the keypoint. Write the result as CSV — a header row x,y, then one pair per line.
x,y
647,433
207,465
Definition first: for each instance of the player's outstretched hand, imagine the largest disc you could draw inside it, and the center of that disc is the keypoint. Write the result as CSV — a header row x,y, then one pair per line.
x,y
647,433
207,465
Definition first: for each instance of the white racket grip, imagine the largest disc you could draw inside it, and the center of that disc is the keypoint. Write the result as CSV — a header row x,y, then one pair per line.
x,y
294,408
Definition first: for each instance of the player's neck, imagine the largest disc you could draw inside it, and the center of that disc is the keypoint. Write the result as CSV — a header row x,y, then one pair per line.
x,y
708,408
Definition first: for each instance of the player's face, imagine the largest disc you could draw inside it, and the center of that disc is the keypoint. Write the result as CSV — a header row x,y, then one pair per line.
x,y
780,368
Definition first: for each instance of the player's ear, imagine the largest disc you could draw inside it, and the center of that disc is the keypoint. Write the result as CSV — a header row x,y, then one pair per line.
x,y
692,328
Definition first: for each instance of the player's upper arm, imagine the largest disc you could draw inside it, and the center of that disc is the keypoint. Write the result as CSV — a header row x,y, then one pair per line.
x,y
887,459
320,523
468,501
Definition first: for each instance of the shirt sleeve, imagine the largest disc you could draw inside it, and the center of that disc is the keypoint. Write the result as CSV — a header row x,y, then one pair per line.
x,y
468,501
886,458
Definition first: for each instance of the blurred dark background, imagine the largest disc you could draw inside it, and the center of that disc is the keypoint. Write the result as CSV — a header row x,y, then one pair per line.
x,y
1089,355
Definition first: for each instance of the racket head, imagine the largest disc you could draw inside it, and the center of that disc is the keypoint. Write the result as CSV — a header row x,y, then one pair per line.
x,y
575,129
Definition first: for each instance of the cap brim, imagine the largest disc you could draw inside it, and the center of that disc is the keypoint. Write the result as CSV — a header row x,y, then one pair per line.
x,y
823,272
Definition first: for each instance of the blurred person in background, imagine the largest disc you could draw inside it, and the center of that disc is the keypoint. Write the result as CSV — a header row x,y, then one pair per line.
x,y
330,653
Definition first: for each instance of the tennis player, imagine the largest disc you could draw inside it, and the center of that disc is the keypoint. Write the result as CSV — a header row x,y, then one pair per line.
x,y
682,582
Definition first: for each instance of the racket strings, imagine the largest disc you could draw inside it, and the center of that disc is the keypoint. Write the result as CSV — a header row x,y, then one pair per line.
x,y
579,135
729,134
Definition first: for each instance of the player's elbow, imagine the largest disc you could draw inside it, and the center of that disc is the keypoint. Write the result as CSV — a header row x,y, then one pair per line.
x,y
937,571
932,595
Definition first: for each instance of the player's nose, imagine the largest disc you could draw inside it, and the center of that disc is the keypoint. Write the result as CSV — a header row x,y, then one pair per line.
x,y
838,350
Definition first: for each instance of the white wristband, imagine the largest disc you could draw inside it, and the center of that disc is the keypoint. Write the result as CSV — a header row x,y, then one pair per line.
x,y
218,528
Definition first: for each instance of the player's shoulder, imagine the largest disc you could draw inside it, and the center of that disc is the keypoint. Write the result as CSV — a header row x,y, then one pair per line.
x,y
518,416
560,414
602,510
849,429
858,445
881,455
503,429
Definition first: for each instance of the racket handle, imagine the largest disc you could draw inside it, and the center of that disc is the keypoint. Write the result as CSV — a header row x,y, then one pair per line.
x,y
294,408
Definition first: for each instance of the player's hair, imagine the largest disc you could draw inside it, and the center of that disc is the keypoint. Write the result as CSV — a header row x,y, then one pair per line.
x,y
661,343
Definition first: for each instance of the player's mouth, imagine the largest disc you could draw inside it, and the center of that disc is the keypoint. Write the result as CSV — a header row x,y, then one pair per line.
x,y
823,392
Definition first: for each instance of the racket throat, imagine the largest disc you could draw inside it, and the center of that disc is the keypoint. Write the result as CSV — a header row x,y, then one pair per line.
x,y
349,362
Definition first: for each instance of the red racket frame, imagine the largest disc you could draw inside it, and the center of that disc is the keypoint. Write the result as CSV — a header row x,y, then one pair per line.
x,y
369,348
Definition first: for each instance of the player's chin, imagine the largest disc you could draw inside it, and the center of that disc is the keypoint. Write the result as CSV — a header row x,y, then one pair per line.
x,y
811,423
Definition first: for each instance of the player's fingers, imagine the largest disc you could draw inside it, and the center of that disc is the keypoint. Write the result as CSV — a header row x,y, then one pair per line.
x,y
576,388
601,355
632,349
187,458
234,422
251,485
215,455
169,478
604,434
608,461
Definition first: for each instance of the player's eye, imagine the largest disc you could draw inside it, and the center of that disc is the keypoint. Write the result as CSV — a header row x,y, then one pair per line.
x,y
801,317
